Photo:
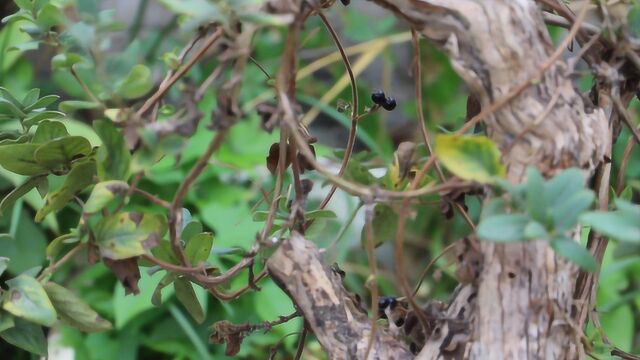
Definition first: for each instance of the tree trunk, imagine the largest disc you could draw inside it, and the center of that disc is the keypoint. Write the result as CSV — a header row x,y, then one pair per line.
x,y
520,306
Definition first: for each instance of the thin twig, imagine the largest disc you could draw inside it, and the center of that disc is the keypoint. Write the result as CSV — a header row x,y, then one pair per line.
x,y
246,261
623,164
236,294
626,118
354,108
180,73
154,199
85,88
256,63
301,342
431,263
175,210
55,265
175,268
372,281
421,120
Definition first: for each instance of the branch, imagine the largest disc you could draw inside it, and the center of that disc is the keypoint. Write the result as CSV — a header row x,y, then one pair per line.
x,y
341,326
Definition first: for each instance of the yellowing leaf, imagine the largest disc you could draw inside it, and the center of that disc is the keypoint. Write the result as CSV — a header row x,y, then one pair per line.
x,y
474,158
27,299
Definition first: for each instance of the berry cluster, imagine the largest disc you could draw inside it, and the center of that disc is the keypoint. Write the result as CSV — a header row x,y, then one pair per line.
x,y
387,102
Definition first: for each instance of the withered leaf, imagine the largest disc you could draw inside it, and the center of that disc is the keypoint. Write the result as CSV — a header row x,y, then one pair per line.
x,y
274,157
268,118
304,163
127,272
226,332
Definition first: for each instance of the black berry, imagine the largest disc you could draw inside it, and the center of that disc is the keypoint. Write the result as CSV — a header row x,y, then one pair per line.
x,y
378,97
389,103
345,2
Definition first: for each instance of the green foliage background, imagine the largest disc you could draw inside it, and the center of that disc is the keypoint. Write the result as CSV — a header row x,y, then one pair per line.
x,y
224,198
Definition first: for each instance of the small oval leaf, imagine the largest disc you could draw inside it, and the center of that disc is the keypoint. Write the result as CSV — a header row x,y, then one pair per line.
x,y
475,158
73,311
28,300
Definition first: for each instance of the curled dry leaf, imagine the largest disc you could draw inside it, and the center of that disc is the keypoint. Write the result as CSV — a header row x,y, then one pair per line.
x,y
127,272
268,116
226,332
274,157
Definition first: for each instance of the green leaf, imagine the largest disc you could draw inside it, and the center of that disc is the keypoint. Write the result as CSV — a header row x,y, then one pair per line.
x,y
103,193
503,228
564,186
190,230
65,61
32,96
42,103
73,105
358,173
49,16
27,299
164,252
187,297
9,108
168,279
19,158
628,209
626,194
27,336
613,224
136,84
54,247
15,18
20,191
6,95
319,214
260,216
60,152
114,159
80,176
124,235
565,215
48,130
574,252
198,248
385,224
6,321
536,202
24,46
24,4
470,157
35,117
535,231
73,311
3,264
495,206
43,187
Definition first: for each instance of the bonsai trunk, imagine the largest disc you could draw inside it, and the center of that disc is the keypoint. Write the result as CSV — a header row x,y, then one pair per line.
x,y
520,305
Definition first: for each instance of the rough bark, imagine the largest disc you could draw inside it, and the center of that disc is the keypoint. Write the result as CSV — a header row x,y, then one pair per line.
x,y
524,292
335,317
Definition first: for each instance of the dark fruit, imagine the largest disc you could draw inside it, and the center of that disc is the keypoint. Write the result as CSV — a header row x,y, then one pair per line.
x,y
389,103
345,2
378,97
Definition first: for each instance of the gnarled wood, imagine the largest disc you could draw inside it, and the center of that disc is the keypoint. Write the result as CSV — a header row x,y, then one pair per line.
x,y
341,326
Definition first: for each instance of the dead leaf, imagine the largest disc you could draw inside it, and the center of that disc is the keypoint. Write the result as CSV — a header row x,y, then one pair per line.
x,y
127,272
274,157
